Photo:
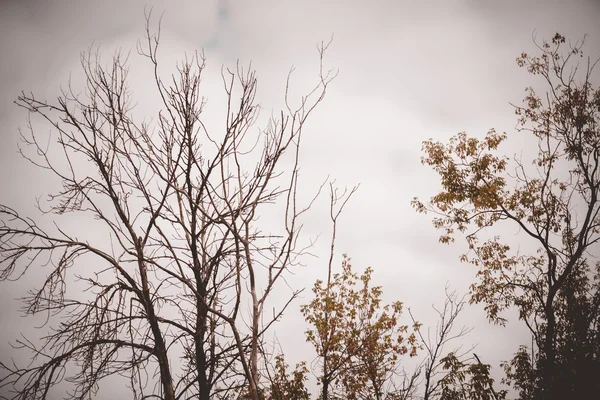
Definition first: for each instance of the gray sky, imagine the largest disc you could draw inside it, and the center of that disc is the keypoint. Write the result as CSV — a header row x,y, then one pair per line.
x,y
408,71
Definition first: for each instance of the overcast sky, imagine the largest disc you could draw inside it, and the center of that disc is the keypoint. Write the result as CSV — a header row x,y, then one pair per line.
x,y
408,71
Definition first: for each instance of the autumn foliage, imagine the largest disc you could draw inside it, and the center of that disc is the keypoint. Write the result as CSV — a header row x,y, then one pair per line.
x,y
358,340
553,200
179,282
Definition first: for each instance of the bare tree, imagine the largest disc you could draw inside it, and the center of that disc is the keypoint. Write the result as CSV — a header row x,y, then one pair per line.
x,y
455,374
434,344
180,277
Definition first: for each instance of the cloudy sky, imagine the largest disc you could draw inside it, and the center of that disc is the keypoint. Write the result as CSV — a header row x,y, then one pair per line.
x,y
408,71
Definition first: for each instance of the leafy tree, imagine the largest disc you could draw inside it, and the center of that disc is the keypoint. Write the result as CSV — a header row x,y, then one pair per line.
x,y
358,340
554,203
467,380
521,374
283,384
286,386
179,269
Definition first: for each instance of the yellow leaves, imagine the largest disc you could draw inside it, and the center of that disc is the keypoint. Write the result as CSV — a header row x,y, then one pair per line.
x,y
416,326
467,379
289,386
357,338
470,176
522,59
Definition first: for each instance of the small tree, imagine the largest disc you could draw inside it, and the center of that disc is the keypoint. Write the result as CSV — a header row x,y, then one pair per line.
x,y
555,204
467,380
179,279
431,369
286,385
357,339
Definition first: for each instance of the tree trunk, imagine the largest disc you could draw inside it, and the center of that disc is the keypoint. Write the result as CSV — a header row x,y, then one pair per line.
x,y
159,345
201,363
160,350
549,367
325,389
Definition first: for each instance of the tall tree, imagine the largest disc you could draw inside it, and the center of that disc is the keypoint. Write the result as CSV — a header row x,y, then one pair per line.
x,y
555,204
179,269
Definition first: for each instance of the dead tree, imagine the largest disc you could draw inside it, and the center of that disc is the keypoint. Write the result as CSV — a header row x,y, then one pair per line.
x,y
179,269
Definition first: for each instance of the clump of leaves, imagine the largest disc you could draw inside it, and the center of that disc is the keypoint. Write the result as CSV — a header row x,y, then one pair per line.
x,y
466,380
289,386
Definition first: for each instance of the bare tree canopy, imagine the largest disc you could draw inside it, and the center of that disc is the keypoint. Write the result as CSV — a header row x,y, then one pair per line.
x,y
176,287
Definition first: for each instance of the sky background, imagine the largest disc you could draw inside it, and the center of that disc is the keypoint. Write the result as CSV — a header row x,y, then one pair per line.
x,y
408,71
